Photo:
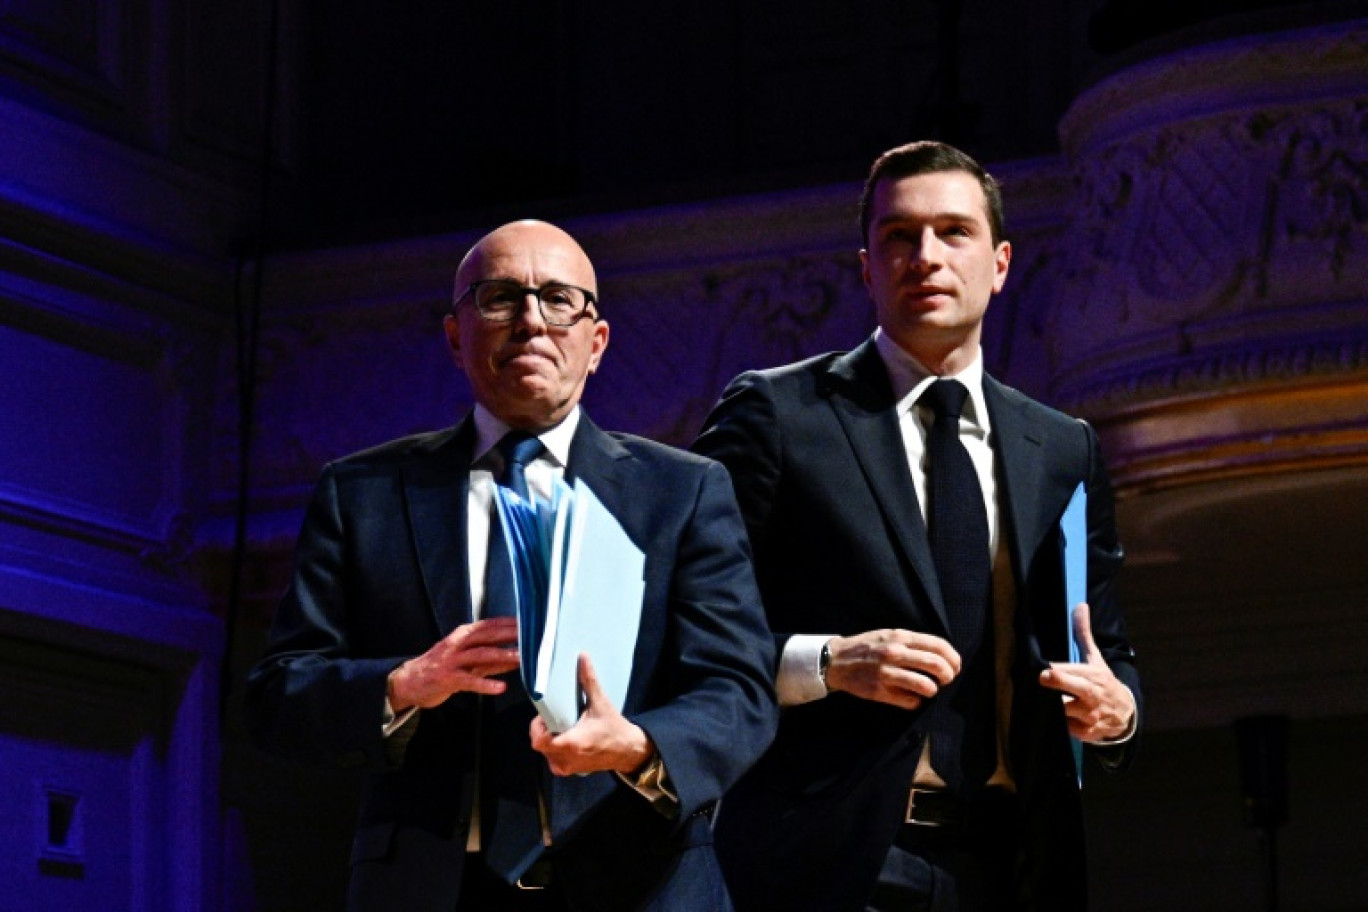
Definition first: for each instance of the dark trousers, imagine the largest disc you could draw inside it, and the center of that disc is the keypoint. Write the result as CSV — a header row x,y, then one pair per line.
x,y
967,866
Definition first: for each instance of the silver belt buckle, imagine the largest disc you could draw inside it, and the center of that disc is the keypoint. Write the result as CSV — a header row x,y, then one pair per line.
x,y
910,816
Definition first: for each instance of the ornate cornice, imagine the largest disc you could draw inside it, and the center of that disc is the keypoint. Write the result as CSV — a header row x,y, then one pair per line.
x,y
1267,69
1221,198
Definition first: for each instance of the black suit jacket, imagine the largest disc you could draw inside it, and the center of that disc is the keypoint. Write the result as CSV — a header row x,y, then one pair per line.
x,y
840,547
381,574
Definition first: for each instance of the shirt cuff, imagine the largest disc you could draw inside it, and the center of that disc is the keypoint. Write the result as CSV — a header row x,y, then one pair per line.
x,y
800,677
652,783
391,723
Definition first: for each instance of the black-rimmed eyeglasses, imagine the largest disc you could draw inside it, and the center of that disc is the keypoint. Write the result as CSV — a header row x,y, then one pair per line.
x,y
501,301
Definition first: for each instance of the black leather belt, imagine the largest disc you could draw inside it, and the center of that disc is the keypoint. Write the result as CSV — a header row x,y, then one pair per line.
x,y
934,808
538,877
939,808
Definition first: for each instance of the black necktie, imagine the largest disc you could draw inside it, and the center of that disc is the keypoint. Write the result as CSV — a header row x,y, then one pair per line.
x,y
963,720
510,818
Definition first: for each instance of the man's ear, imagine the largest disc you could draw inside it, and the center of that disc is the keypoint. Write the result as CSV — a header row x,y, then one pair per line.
x,y
452,327
600,345
1002,259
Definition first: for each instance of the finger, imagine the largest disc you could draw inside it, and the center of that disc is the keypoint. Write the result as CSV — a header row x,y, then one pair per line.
x,y
931,645
910,683
1060,677
934,665
492,656
491,652
486,632
490,687
1085,697
495,672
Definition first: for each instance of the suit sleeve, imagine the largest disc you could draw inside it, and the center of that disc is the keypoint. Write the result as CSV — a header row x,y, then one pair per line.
x,y
1105,557
309,698
721,715
743,433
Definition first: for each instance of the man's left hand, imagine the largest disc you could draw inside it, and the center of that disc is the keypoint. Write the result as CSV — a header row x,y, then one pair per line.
x,y
602,739
1098,706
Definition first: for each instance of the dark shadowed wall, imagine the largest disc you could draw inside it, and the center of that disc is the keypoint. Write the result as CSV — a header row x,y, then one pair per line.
x,y
227,239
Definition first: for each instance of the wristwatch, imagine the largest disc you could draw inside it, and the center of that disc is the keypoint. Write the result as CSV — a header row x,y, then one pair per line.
x,y
824,662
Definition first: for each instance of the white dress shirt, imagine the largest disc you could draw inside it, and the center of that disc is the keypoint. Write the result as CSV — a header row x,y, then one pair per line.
x,y
799,679
542,475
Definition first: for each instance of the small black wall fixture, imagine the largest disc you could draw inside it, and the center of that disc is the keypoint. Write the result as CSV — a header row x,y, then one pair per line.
x,y
1262,743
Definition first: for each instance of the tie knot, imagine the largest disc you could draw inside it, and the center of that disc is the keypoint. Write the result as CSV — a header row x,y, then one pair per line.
x,y
946,398
517,448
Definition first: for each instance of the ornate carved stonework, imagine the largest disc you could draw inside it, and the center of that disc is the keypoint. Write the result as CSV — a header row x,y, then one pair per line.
x,y
1221,199
1212,223
683,336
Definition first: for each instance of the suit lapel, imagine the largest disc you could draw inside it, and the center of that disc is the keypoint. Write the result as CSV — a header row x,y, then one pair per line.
x,y
1020,446
862,398
436,484
594,456
1033,497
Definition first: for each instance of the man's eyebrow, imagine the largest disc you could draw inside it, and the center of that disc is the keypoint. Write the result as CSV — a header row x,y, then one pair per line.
x,y
947,216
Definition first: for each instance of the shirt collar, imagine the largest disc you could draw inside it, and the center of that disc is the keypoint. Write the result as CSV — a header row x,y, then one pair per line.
x,y
910,378
489,430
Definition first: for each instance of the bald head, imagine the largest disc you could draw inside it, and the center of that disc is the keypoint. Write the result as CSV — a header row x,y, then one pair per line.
x,y
528,247
526,371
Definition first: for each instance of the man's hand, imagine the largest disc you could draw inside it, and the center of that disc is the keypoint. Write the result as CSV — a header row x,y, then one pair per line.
x,y
601,740
898,667
463,660
1098,706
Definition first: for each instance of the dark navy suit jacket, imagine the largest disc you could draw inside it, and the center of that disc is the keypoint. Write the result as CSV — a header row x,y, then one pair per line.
x,y
840,547
381,574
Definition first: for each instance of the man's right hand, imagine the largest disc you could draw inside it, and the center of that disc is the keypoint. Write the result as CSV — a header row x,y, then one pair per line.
x,y
464,660
898,667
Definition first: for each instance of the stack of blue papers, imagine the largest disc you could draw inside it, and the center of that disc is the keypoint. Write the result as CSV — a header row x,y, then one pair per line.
x,y
1073,529
578,581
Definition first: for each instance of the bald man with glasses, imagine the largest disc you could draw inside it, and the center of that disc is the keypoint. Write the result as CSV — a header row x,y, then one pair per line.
x,y
393,647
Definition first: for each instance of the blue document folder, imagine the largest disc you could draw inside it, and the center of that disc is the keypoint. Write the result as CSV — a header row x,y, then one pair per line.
x,y
1073,531
580,582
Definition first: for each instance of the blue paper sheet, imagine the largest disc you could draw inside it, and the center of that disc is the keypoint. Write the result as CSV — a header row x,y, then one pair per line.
x,y
580,584
1073,530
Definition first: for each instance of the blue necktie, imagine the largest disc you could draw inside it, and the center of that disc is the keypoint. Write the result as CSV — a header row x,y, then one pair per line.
x,y
517,448
510,817
962,719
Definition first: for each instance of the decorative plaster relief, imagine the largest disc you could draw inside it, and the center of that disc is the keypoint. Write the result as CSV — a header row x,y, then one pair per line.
x,y
1201,240
680,337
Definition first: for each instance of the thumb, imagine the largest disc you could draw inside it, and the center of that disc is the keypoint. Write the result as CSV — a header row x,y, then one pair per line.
x,y
588,678
1082,629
